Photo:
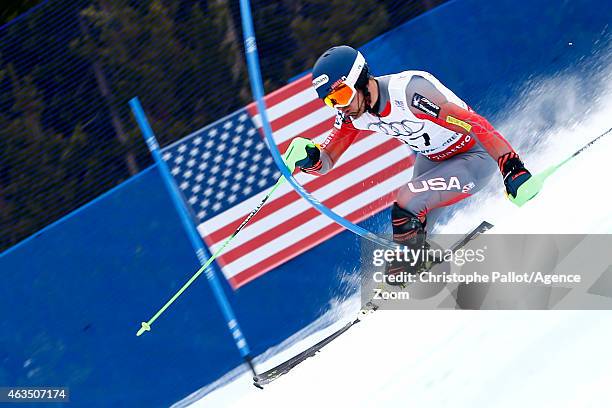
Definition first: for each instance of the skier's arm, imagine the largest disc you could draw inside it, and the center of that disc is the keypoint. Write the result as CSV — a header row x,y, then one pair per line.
x,y
510,165
328,153
455,115
493,142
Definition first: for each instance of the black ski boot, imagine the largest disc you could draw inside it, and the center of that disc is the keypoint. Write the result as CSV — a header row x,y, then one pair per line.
x,y
408,231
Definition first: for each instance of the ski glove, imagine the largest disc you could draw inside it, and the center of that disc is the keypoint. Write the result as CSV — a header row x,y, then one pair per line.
x,y
514,172
313,160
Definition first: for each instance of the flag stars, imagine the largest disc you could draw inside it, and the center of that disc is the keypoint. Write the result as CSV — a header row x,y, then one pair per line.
x,y
221,165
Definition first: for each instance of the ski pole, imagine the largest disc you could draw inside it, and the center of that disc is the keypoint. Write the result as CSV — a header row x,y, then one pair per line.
x,y
531,187
295,152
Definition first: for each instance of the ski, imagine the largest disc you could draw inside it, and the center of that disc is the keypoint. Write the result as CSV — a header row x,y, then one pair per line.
x,y
283,368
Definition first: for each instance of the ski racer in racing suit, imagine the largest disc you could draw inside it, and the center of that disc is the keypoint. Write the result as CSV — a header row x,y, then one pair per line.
x,y
453,144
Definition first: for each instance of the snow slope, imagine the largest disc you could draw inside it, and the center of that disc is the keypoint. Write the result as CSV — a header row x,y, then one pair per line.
x,y
448,358
478,358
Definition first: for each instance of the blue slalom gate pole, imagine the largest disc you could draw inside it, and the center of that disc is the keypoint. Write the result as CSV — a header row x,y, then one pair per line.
x,y
196,241
250,47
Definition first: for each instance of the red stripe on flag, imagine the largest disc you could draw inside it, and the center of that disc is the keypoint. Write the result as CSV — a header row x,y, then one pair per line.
x,y
297,114
282,94
307,243
310,133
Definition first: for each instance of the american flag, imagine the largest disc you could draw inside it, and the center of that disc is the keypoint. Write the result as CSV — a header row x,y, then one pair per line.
x,y
225,169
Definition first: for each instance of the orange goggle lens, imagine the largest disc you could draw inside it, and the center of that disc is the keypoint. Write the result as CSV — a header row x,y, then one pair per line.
x,y
340,97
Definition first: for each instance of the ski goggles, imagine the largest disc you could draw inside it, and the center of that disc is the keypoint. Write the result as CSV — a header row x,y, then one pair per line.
x,y
341,96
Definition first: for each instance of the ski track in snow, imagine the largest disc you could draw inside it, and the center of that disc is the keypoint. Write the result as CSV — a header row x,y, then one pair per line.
x,y
474,358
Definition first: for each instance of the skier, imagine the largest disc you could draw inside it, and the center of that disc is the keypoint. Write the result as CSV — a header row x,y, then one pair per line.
x,y
453,144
